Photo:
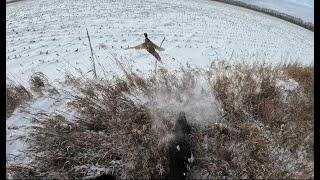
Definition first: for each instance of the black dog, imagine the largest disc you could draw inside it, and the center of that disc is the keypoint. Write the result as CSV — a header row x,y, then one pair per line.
x,y
180,155
105,176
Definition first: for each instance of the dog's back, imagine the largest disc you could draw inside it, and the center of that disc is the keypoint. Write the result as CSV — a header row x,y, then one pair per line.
x,y
180,149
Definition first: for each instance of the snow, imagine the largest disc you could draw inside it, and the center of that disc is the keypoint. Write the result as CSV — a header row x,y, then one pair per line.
x,y
49,36
197,32
287,86
18,126
303,9
94,170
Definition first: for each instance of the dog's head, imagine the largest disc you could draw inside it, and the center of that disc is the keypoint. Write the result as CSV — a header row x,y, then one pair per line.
x,y
182,127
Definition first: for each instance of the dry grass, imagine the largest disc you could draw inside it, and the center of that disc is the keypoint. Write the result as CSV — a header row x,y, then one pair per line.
x,y
126,126
265,136
15,95
38,81
39,84
304,76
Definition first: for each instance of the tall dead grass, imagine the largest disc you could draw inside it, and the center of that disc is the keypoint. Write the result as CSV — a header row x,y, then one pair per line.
x,y
245,124
267,136
15,95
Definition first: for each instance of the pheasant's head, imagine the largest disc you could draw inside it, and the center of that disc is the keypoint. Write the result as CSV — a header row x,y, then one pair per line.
x,y
145,35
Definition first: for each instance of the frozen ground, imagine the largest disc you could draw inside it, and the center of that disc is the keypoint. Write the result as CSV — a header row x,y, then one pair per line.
x,y
49,36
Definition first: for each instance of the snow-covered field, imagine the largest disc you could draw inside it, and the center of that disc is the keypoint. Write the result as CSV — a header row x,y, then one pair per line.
x,y
50,35
303,9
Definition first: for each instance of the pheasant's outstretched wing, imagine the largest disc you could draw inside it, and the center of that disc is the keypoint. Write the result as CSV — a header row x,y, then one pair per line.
x,y
141,46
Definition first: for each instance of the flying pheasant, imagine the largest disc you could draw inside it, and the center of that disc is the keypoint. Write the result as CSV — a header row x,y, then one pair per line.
x,y
150,47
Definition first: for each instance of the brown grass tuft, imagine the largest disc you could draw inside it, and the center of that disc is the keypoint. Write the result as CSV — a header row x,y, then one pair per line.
x,y
38,81
15,95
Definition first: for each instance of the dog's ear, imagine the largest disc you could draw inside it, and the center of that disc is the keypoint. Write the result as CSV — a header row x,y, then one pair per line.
x,y
145,35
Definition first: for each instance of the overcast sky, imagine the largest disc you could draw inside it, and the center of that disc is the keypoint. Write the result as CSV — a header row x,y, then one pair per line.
x,y
299,8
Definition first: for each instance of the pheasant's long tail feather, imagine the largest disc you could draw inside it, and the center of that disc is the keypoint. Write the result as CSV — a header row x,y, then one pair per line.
x,y
157,56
